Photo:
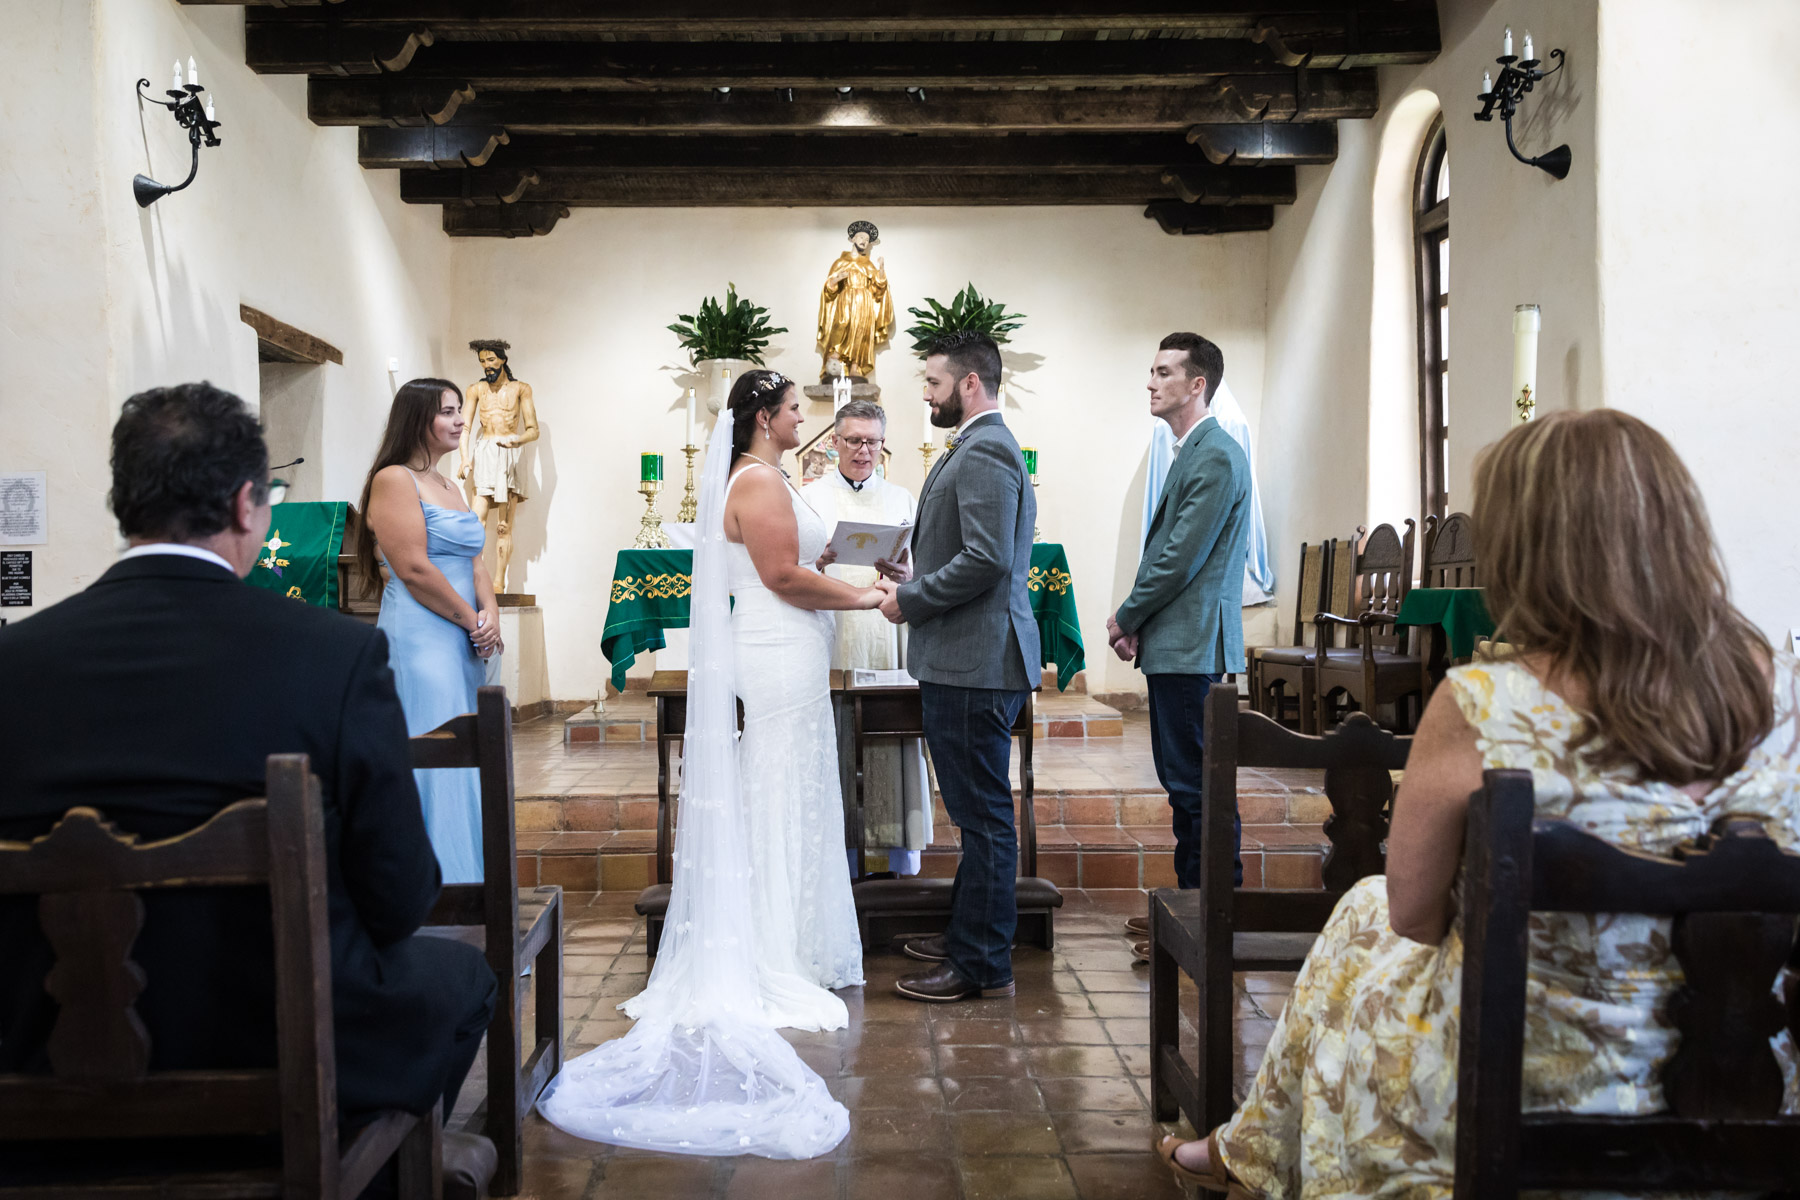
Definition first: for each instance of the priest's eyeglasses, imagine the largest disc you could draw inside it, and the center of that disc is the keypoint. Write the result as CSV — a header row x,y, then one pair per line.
x,y
861,443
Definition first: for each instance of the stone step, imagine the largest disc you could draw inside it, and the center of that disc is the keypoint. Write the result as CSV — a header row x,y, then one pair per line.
x,y
1275,856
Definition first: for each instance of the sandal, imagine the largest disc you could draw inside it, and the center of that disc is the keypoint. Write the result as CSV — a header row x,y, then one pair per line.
x,y
1216,1179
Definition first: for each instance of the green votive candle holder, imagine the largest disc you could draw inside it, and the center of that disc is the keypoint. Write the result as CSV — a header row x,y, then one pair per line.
x,y
650,468
1030,453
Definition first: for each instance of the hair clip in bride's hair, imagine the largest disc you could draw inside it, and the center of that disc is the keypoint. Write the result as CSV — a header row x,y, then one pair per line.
x,y
773,381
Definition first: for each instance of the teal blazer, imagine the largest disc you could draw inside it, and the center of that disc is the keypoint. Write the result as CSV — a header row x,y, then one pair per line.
x,y
1187,603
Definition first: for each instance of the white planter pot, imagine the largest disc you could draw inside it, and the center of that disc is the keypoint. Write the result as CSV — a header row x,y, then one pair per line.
x,y
716,378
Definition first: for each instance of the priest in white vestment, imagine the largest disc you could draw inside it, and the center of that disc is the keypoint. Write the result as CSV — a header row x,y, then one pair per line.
x,y
896,785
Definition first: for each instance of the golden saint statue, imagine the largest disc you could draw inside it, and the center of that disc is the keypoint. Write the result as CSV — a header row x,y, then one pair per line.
x,y
855,311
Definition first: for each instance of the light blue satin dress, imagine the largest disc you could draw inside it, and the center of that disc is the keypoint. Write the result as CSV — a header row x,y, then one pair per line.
x,y
436,673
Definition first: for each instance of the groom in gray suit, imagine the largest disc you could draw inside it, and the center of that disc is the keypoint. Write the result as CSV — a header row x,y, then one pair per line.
x,y
974,651
1183,621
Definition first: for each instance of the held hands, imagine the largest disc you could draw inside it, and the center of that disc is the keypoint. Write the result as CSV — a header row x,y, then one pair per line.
x,y
485,637
890,604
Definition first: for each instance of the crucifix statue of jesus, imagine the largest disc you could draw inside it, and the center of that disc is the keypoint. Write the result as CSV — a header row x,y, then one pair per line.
x,y
498,418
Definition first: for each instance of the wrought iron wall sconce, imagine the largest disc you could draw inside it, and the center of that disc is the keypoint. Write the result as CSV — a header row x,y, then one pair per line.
x,y
1518,75
191,115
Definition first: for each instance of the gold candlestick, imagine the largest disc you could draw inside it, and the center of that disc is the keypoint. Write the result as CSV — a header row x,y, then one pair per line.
x,y
650,531
927,449
690,509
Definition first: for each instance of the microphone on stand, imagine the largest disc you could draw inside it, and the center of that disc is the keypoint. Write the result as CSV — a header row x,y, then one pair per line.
x,y
284,466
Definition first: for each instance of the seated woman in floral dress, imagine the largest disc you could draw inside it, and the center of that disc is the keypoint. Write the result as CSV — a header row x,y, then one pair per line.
x,y
1645,707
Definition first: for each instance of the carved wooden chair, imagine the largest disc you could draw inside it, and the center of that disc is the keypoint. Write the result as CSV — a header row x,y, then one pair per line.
x,y
1447,562
1278,677
520,927
1215,930
1377,667
87,877
1285,674
1734,900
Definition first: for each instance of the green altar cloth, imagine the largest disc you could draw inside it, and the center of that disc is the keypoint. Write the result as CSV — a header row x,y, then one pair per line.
x,y
300,552
650,594
1461,611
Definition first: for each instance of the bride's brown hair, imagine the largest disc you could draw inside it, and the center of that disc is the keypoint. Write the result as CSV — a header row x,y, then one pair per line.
x,y
1596,552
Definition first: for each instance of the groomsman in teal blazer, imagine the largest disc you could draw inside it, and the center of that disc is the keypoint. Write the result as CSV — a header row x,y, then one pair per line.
x,y
1183,621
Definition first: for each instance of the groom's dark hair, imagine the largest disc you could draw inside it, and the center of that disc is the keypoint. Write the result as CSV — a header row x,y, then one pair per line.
x,y
969,352
1203,359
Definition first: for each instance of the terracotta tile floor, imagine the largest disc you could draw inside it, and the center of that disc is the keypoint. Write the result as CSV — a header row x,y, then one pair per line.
x,y
1040,1096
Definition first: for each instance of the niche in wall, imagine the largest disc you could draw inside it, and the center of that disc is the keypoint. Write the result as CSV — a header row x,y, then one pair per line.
x,y
291,366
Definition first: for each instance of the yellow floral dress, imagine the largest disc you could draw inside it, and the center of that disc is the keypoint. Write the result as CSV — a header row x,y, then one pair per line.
x,y
1357,1093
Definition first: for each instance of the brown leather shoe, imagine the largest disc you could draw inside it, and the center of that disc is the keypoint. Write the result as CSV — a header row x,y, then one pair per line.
x,y
933,949
943,984
1140,952
1138,926
468,1162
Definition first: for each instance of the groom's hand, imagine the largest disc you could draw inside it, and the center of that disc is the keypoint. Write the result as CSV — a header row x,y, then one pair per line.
x,y
900,570
1126,647
890,604
1113,632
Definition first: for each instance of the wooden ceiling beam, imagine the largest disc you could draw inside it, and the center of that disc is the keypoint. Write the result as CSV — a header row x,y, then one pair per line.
x,y
728,188
1266,143
1297,95
317,49
436,147
519,20
508,220
1179,217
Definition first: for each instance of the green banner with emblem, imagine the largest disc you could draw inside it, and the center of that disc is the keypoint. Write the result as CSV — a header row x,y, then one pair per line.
x,y
298,557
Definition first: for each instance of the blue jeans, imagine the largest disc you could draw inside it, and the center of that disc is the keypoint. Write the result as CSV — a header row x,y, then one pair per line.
x,y
1177,734
969,731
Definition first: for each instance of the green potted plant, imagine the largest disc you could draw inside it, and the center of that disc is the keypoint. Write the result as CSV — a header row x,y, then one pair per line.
x,y
725,340
967,312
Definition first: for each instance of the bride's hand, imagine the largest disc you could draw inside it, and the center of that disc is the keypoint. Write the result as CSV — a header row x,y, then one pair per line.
x,y
878,594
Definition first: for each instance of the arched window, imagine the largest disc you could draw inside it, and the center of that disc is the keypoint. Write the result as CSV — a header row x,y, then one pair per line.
x,y
1431,256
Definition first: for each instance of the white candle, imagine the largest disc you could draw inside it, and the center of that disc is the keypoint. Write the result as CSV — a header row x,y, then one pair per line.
x,y
690,417
1506,42
1487,83
193,71
176,86
1528,54
209,106
1527,320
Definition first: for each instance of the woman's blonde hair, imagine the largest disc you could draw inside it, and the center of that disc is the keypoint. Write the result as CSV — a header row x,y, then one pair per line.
x,y
1596,552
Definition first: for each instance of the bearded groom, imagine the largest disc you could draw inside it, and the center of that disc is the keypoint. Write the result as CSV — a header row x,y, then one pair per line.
x,y
974,650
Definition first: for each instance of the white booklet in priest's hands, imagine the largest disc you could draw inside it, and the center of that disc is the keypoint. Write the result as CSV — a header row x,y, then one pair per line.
x,y
860,543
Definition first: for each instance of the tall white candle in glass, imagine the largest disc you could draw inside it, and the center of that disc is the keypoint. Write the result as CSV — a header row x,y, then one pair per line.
x,y
690,418
1526,322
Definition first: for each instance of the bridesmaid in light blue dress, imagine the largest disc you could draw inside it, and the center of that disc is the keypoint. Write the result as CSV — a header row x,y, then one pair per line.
x,y
438,608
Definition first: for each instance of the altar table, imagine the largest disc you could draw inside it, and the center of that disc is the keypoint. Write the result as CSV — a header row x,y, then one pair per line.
x,y
650,593
1461,613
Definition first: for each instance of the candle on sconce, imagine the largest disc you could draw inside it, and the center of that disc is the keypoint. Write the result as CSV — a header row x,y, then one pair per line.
x,y
1506,43
650,467
1487,83
193,70
176,86
1528,54
209,106
1527,321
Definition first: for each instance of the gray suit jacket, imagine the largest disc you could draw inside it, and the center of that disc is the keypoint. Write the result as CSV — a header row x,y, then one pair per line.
x,y
967,605
1187,604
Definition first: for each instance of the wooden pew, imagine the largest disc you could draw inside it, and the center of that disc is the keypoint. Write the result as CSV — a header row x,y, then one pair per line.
x,y
88,876
1212,931
520,927
1734,900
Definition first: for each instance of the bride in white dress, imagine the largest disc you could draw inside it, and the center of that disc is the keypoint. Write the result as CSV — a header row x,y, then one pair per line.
x,y
761,921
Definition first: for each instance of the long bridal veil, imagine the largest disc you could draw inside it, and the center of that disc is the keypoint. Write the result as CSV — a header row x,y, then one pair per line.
x,y
703,1071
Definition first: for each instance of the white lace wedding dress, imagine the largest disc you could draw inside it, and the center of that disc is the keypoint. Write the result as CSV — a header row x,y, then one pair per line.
x,y
760,918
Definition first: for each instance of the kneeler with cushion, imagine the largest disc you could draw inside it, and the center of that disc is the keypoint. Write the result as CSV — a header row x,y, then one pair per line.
x,y
113,1125
520,927
1212,931
885,908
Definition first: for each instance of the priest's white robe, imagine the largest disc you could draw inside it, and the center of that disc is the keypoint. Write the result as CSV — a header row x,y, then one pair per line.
x,y
896,784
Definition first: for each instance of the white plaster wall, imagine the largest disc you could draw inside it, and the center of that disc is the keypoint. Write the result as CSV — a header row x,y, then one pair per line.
x,y
110,298
1699,257
586,307
1334,455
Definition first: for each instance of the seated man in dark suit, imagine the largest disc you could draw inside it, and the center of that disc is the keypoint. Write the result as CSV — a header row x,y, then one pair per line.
x,y
155,696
